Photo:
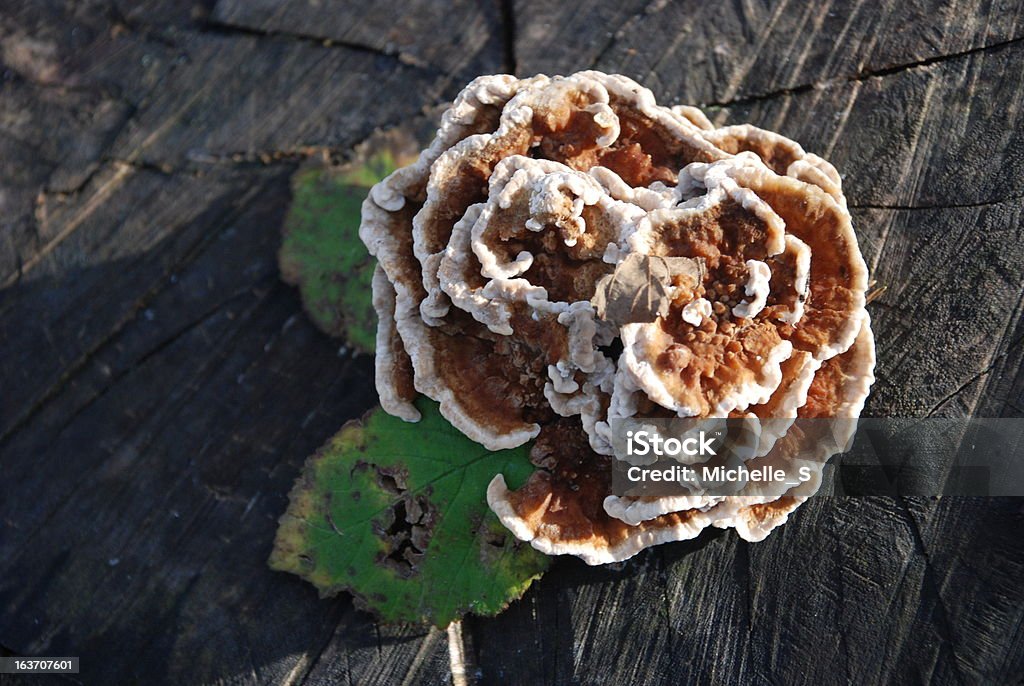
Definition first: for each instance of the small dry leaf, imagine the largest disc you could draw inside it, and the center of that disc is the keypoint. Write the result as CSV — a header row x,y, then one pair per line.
x,y
640,289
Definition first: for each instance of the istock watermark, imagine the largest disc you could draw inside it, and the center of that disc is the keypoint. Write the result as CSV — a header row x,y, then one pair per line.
x,y
642,443
774,457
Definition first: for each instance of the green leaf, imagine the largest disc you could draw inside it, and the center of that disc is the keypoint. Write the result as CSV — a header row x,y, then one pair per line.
x,y
321,252
397,514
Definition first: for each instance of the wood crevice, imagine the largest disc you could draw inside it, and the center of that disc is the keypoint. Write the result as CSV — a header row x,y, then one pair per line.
x,y
508,35
215,27
941,206
989,368
73,368
863,75
614,36
944,626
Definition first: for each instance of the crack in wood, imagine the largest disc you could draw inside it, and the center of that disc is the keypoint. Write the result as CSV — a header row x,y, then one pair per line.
x,y
666,602
160,347
103,164
951,206
944,626
836,555
161,284
975,377
187,532
337,154
745,569
39,214
123,167
650,8
212,26
858,77
508,32
171,409
121,172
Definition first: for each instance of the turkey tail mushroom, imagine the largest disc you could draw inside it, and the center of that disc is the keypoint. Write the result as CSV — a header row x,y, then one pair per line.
x,y
567,253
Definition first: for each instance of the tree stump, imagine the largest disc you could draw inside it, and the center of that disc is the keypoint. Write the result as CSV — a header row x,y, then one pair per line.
x,y
161,386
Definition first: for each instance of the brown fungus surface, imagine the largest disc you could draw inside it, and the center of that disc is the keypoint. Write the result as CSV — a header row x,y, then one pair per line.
x,y
513,258
560,510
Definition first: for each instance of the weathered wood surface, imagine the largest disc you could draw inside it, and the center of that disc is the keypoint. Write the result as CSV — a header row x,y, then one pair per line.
x,y
160,387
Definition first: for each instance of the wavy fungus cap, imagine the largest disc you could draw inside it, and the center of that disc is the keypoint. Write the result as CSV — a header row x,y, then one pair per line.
x,y
507,250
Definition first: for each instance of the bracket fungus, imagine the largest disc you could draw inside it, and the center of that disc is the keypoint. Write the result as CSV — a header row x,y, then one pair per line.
x,y
567,253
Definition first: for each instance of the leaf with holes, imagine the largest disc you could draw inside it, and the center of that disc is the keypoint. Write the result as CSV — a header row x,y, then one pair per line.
x,y
321,252
397,514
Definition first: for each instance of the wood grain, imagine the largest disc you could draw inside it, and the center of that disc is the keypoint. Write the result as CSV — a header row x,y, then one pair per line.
x,y
463,37
160,387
